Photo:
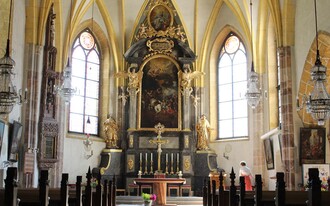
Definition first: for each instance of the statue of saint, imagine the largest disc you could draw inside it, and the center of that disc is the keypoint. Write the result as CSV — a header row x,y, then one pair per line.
x,y
203,133
111,129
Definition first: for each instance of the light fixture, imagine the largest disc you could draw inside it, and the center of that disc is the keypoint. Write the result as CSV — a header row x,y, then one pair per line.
x,y
8,93
66,91
253,92
318,102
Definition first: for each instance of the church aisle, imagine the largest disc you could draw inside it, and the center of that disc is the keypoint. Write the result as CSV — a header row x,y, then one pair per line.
x,y
136,200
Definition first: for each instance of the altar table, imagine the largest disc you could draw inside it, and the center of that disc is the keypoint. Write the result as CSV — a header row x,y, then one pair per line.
x,y
159,186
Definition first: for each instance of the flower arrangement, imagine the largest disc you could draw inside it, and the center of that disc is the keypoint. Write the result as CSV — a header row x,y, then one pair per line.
x,y
148,197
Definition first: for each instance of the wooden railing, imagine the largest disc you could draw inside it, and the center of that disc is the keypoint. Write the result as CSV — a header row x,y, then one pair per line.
x,y
44,196
259,197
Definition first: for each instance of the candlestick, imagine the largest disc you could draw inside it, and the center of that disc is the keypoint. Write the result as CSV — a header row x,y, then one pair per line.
x,y
177,163
146,165
172,163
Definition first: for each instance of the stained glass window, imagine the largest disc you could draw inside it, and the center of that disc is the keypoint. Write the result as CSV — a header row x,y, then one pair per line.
x,y
232,83
86,78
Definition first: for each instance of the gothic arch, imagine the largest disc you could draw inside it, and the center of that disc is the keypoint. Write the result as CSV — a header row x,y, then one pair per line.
x,y
306,85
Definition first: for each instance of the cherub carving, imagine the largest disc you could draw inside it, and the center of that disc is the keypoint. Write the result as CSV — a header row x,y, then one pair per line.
x,y
134,77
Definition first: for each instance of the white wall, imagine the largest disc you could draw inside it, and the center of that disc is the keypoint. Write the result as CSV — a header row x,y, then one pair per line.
x,y
74,161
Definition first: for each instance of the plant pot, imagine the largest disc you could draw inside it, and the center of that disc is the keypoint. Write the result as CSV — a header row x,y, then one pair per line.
x,y
147,202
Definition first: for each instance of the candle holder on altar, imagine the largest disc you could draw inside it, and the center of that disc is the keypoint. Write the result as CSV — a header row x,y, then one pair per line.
x,y
146,168
166,168
172,168
151,168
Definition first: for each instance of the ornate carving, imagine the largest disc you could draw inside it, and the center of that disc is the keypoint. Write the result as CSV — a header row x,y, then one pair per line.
x,y
134,77
160,45
130,164
187,164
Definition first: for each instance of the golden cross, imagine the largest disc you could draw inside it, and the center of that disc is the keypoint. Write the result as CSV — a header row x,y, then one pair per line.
x,y
159,130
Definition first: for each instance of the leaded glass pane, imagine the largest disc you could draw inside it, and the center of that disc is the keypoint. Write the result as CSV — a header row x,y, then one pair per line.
x,y
239,90
239,58
224,75
225,93
75,104
226,110
78,68
91,106
92,89
92,127
93,57
79,84
78,53
240,72
226,130
240,108
241,127
93,71
225,61
76,123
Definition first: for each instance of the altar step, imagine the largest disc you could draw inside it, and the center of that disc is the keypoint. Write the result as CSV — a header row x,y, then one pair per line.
x,y
137,200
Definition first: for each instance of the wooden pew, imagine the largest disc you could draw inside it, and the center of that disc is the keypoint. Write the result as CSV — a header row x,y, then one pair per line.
x,y
10,193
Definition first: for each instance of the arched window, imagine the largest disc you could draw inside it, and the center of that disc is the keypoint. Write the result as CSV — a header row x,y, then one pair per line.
x,y
232,83
86,78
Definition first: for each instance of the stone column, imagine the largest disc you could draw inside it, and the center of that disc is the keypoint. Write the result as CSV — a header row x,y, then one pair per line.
x,y
288,150
132,108
186,108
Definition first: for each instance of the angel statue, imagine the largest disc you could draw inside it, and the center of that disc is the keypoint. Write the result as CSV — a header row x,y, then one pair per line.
x,y
134,77
111,129
186,77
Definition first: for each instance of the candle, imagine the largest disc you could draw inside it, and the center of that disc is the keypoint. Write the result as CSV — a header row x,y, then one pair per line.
x,y
166,157
172,157
177,157
146,158
151,156
140,157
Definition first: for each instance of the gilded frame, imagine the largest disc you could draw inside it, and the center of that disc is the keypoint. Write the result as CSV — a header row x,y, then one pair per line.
x,y
163,63
312,145
160,17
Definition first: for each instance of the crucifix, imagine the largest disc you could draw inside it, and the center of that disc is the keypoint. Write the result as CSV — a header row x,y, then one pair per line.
x,y
159,130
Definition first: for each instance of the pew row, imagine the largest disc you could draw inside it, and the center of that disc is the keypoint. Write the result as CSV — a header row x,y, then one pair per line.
x,y
258,197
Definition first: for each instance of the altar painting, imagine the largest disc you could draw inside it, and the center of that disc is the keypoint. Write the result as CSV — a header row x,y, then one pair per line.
x,y
159,94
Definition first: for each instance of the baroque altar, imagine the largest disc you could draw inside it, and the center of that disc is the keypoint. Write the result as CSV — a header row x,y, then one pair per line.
x,y
158,102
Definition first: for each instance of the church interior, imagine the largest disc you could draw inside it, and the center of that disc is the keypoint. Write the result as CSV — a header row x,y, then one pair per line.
x,y
184,88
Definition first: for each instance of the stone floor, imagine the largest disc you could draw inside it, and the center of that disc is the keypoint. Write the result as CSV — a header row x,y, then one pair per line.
x,y
136,200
